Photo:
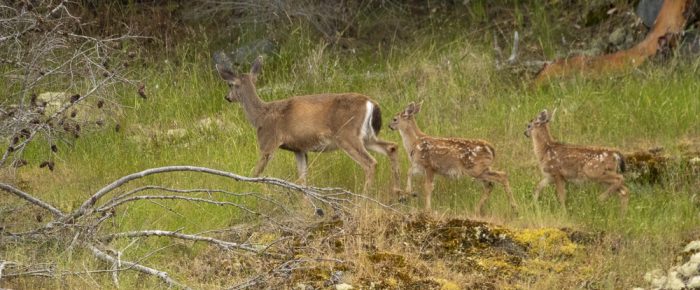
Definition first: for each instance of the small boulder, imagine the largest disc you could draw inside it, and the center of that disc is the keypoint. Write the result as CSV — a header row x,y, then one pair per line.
x,y
674,281
695,258
656,278
694,283
617,37
693,246
689,269
343,286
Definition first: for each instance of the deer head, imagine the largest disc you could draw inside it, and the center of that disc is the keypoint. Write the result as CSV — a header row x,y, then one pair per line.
x,y
538,122
239,84
400,120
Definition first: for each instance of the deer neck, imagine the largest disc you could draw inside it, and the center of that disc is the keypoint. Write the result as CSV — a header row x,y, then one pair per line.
x,y
410,135
541,140
253,106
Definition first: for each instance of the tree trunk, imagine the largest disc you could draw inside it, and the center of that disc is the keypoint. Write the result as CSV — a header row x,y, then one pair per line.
x,y
664,35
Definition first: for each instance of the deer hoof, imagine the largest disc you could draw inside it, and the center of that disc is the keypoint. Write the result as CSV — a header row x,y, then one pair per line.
x,y
403,199
319,212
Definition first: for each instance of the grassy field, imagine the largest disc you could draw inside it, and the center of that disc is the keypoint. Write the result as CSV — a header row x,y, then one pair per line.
x,y
186,120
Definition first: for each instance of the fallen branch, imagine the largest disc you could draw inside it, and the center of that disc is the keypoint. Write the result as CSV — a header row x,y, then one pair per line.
x,y
158,233
135,266
82,227
31,199
669,25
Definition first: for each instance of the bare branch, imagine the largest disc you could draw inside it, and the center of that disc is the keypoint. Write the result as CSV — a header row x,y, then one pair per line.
x,y
196,190
257,249
135,266
31,199
514,52
175,197
89,203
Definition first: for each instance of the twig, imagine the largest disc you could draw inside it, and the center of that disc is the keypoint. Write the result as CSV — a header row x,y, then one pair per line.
x,y
158,233
135,266
31,199
514,52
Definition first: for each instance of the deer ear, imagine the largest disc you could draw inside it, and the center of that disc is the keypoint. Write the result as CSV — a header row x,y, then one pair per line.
x,y
410,110
256,68
543,117
225,73
416,107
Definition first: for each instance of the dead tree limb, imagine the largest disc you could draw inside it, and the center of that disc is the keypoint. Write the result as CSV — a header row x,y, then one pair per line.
x,y
135,266
158,233
82,228
23,195
669,25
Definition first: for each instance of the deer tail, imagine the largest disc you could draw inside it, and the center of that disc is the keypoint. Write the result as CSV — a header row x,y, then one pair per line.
x,y
620,161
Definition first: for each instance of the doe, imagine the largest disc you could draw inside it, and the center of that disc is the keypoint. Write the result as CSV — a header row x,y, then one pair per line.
x,y
451,157
312,123
561,162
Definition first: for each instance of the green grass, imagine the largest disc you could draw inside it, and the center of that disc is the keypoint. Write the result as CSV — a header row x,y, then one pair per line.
x,y
463,96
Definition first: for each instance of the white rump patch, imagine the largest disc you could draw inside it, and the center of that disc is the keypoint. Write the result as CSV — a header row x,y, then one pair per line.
x,y
366,132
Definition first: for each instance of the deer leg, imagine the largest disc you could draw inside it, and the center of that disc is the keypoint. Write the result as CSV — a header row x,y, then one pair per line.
x,y
301,158
624,199
561,191
357,152
543,183
262,163
389,149
488,188
615,181
409,180
428,186
502,178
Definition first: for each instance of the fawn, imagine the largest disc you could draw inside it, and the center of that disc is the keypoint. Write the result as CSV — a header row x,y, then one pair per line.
x,y
312,123
560,163
451,157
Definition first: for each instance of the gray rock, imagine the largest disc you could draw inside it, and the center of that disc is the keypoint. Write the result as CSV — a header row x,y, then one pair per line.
x,y
694,283
617,37
653,275
692,247
343,287
689,269
695,258
648,10
674,281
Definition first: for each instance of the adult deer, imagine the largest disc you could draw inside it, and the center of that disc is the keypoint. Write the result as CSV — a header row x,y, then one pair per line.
x,y
312,123
561,163
451,157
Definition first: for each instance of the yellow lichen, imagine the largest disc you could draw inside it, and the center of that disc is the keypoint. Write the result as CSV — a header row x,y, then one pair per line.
x,y
446,284
547,242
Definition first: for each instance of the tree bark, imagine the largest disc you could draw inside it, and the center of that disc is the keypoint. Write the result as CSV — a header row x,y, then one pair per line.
x,y
669,24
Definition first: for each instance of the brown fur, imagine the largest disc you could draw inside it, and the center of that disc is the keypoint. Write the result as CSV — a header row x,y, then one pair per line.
x,y
561,163
316,123
452,157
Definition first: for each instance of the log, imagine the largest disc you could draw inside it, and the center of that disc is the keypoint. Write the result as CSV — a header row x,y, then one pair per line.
x,y
664,34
